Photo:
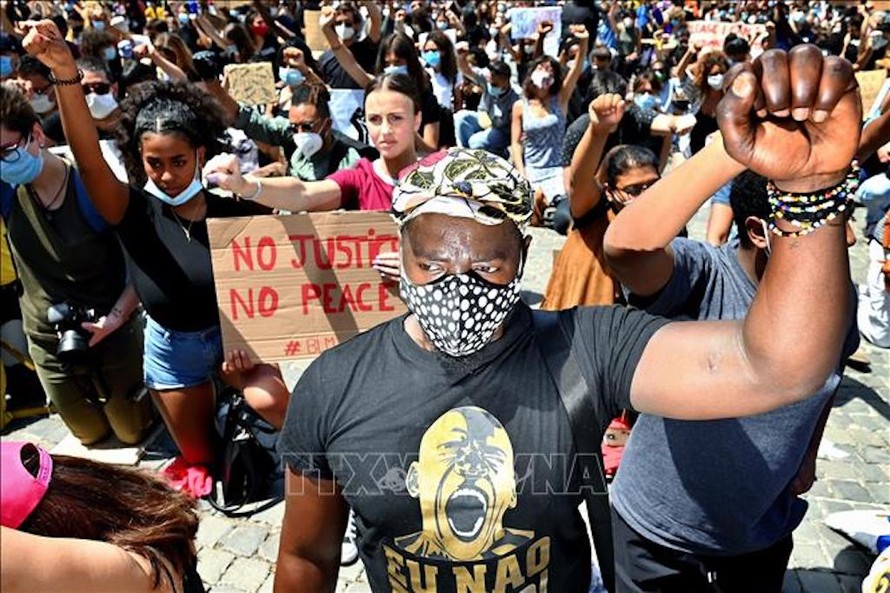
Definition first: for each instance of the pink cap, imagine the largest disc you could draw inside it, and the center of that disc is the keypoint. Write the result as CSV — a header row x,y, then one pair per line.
x,y
20,492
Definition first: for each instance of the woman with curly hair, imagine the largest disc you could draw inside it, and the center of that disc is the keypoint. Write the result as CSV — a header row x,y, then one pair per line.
x,y
167,132
704,89
59,514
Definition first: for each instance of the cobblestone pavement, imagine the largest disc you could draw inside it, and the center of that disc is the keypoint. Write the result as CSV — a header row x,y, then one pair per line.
x,y
238,555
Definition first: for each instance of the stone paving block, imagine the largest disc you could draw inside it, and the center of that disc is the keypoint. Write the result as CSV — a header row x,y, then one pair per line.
x,y
820,489
274,515
808,555
226,589
872,473
245,539
841,470
834,506
879,493
357,588
247,574
352,572
212,564
818,581
850,490
876,455
269,550
211,529
268,584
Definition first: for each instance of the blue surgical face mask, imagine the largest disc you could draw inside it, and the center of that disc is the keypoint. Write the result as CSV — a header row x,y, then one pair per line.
x,y
645,100
99,25
403,69
183,18
496,91
291,76
441,25
5,66
24,169
433,58
193,189
109,53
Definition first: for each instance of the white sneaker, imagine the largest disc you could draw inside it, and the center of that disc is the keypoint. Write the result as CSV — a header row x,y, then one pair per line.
x,y
349,549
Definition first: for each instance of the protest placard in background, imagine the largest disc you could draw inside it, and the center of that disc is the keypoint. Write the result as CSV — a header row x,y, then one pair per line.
x,y
343,105
292,286
870,83
712,33
253,84
315,39
524,25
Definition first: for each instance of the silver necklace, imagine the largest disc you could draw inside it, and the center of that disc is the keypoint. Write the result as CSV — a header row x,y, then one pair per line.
x,y
187,231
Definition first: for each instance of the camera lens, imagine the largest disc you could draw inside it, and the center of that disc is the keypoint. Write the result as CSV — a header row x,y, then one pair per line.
x,y
72,346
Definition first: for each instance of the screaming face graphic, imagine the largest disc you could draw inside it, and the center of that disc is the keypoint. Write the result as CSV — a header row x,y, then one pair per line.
x,y
464,481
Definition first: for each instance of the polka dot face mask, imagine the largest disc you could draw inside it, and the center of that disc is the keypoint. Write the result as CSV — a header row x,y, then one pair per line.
x,y
460,312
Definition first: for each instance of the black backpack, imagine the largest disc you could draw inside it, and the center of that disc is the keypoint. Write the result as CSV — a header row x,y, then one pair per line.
x,y
246,459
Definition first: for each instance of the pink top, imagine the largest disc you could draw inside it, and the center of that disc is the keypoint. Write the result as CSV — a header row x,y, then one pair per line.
x,y
363,188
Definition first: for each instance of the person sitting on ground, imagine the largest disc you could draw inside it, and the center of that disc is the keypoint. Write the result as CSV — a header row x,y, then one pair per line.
x,y
167,130
487,128
66,528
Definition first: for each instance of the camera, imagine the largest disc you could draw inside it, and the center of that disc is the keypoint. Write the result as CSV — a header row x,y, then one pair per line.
x,y
73,339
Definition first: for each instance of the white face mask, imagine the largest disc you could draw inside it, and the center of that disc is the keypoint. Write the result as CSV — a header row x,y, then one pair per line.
x,y
345,33
542,79
715,81
41,104
308,143
193,189
101,106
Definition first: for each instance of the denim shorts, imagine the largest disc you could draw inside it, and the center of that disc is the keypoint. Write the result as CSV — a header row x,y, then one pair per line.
x,y
175,360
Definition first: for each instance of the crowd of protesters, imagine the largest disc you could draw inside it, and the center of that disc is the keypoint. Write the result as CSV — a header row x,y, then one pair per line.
x,y
612,122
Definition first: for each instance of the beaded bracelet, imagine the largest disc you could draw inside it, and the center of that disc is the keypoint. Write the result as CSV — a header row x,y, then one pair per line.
x,y
809,211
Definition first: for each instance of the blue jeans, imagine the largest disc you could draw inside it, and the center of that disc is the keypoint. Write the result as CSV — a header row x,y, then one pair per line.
x,y
176,360
470,133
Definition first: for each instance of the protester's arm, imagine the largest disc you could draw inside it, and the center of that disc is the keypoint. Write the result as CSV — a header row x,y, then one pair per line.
x,y
806,473
719,224
376,18
283,193
119,315
315,517
342,53
791,339
208,29
515,138
875,135
108,194
544,28
463,51
688,58
584,187
506,45
94,566
571,79
272,23
259,127
230,107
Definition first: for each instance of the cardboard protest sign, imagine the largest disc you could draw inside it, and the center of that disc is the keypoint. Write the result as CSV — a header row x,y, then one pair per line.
x,y
712,33
253,84
315,39
870,83
524,25
292,286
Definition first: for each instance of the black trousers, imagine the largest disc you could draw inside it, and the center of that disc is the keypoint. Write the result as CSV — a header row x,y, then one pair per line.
x,y
644,566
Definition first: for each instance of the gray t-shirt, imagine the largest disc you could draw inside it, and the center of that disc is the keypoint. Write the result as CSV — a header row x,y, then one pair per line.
x,y
717,487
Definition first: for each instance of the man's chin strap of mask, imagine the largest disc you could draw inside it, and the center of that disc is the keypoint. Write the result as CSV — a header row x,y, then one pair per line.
x,y
460,313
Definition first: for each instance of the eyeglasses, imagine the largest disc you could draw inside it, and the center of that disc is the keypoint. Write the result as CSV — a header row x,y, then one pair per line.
x,y
638,188
10,153
306,126
100,88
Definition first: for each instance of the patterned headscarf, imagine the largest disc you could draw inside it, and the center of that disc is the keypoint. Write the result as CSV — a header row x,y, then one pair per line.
x,y
467,183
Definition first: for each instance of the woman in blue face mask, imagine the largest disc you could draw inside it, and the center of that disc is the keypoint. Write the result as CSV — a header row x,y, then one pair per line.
x,y
441,61
67,257
167,131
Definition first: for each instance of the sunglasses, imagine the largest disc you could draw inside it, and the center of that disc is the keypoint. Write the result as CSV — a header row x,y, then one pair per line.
x,y
306,126
636,189
100,88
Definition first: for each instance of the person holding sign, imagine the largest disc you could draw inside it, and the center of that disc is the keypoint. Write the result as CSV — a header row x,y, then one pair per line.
x,y
167,130
452,390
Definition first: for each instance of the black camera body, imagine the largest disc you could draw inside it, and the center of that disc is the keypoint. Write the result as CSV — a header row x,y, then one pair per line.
x,y
73,339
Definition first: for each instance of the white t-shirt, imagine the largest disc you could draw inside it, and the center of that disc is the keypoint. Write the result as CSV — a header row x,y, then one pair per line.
x,y
442,89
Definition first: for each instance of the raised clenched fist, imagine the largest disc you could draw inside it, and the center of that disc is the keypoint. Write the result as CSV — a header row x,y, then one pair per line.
x,y
793,117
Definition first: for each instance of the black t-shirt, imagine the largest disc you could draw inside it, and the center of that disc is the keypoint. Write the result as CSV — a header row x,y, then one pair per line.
x,y
170,268
365,52
430,113
635,128
484,447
